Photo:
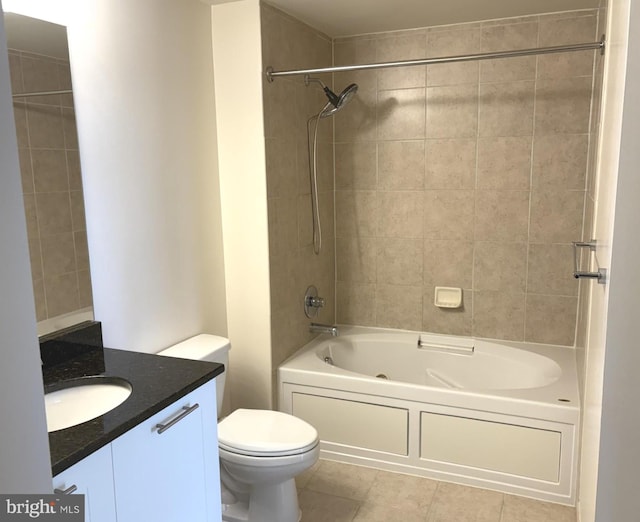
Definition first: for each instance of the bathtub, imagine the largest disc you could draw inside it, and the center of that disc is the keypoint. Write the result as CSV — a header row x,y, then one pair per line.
x,y
494,414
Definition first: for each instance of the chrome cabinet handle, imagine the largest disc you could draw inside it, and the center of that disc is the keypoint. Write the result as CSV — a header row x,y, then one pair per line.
x,y
67,491
186,410
600,275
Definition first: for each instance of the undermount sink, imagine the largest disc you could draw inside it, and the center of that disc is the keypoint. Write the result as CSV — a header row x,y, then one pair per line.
x,y
79,400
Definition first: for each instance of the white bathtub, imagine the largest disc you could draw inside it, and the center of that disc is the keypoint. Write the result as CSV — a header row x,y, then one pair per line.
x,y
496,414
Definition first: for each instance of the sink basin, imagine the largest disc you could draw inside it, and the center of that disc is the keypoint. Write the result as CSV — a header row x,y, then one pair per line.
x,y
79,400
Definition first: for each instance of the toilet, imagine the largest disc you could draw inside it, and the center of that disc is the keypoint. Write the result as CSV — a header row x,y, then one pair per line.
x,y
261,451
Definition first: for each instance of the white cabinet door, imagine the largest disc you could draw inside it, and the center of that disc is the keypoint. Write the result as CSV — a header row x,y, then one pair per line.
x,y
93,478
171,475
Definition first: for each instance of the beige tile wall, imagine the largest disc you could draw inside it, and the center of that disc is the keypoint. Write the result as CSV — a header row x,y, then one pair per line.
x,y
470,175
52,185
289,44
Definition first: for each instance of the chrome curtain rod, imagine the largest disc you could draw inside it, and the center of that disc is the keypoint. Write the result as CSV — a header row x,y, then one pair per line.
x,y
271,74
42,93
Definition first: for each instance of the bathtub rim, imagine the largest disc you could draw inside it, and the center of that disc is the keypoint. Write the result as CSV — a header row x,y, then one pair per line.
x,y
538,403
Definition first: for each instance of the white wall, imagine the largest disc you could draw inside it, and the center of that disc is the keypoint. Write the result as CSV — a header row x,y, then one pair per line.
x,y
238,83
617,497
602,304
24,445
143,88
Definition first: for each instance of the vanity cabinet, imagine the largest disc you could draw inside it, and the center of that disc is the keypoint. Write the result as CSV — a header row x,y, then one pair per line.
x,y
166,474
170,474
93,478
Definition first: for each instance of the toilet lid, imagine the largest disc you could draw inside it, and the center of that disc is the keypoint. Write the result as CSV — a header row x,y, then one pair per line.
x,y
265,433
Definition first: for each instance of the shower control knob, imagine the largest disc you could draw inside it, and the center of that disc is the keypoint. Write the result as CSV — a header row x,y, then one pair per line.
x,y
315,302
312,303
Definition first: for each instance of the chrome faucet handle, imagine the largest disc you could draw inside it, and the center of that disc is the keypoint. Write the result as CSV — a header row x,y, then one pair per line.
x,y
312,303
315,302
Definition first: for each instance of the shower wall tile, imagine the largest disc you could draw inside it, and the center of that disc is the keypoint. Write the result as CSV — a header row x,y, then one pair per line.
x,y
506,109
281,164
35,258
26,171
448,263
448,214
556,217
356,303
40,300
288,104
54,213
46,127
470,175
399,261
498,315
550,319
453,321
20,118
356,261
550,268
355,166
405,46
82,250
400,214
451,164
283,225
52,185
460,41
50,170
499,155
399,306
356,214
563,105
401,165
501,215
58,254
401,114
452,111
62,294
560,161
73,164
501,267
509,37
305,221
359,122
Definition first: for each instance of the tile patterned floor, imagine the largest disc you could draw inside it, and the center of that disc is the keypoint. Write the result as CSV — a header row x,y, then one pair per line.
x,y
335,492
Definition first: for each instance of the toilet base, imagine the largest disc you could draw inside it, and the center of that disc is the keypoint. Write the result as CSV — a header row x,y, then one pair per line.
x,y
239,512
272,503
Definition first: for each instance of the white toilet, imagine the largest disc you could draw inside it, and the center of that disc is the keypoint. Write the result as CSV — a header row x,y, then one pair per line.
x,y
261,451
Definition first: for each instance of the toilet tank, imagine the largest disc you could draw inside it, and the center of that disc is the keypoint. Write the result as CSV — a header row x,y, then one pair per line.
x,y
204,347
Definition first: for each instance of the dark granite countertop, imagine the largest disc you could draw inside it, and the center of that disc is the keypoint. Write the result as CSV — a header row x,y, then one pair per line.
x,y
156,383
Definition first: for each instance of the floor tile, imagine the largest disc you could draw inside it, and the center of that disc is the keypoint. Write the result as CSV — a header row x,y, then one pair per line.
x,y
319,507
381,513
402,491
519,509
455,503
343,480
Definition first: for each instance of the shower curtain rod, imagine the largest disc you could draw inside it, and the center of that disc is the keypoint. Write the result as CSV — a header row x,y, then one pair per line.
x,y
271,74
42,93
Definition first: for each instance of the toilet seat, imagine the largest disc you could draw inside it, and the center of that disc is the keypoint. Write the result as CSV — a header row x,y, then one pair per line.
x,y
265,433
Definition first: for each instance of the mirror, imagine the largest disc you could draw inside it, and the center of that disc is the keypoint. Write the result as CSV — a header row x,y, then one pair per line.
x,y
50,171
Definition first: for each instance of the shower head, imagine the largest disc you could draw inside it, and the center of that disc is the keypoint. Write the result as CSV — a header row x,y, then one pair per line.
x,y
336,101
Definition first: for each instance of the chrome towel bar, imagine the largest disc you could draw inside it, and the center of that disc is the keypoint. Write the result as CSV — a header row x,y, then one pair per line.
x,y
600,275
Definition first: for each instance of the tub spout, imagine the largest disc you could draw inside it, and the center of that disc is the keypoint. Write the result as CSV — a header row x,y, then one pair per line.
x,y
323,328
